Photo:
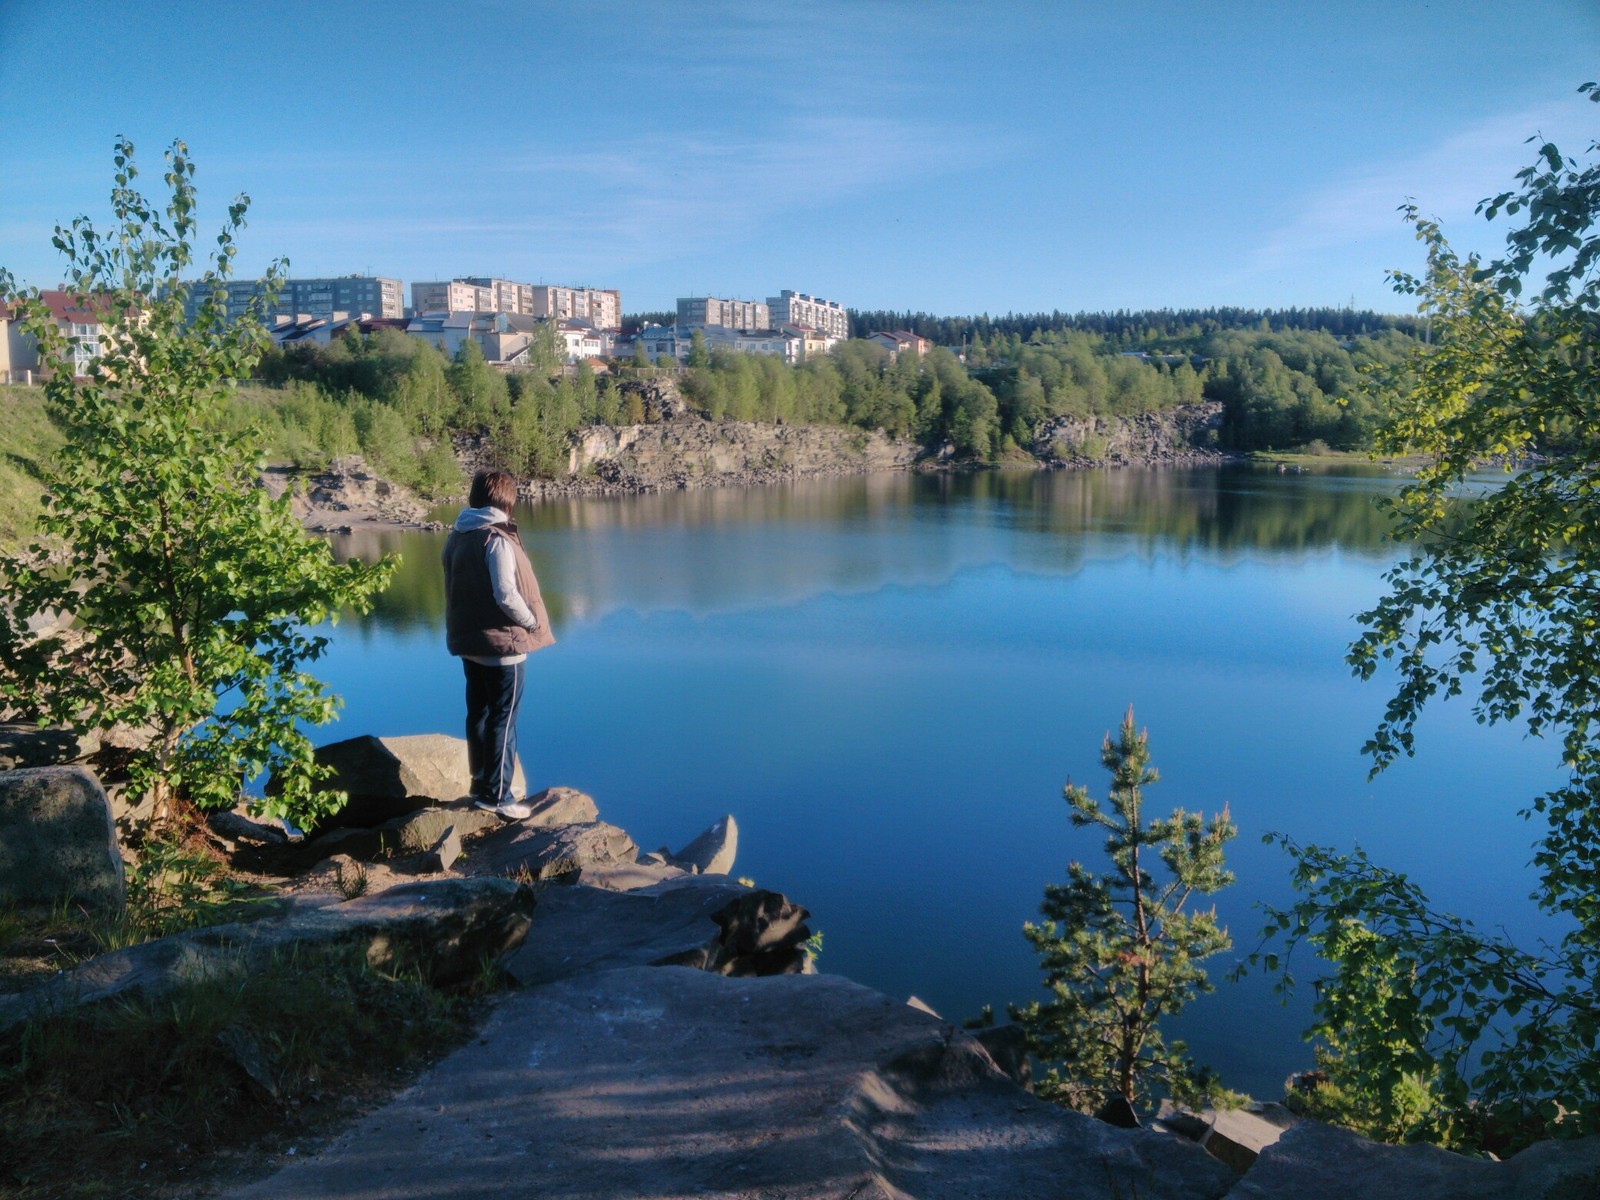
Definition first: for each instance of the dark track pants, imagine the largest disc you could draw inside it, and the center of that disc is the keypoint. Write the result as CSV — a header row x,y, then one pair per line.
x,y
493,696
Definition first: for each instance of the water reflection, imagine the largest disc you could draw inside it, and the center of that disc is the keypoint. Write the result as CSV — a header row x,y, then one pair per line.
x,y
721,550
888,678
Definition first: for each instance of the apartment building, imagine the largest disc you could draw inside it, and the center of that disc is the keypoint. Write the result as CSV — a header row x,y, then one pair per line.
x,y
601,307
703,311
796,308
451,295
506,295
352,295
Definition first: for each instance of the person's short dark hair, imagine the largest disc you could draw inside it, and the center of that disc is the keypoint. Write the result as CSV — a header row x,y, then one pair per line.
x,y
493,488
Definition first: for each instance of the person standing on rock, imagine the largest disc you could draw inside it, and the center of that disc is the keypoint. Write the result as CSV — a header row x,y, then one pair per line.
x,y
494,618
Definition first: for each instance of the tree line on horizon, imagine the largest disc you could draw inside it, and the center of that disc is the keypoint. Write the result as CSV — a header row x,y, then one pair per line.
x,y
1132,328
396,400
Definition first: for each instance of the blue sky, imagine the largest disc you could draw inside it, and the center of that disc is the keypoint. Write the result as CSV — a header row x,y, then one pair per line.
x,y
948,157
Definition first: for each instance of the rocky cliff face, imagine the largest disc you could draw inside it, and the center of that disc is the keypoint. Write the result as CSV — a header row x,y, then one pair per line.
x,y
1191,434
691,451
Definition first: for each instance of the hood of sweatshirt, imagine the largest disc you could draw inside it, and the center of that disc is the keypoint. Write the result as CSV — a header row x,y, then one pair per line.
x,y
479,518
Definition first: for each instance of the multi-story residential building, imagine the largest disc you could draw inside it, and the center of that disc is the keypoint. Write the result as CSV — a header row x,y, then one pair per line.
x,y
601,307
705,311
505,295
451,295
796,308
352,295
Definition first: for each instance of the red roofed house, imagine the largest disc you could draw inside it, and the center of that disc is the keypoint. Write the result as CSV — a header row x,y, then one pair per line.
x,y
900,340
19,354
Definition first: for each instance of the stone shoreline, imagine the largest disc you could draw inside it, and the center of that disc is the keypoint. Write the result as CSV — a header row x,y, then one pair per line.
x,y
667,1037
684,451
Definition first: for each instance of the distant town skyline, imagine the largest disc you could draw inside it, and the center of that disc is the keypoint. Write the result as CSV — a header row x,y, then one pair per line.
x,y
954,158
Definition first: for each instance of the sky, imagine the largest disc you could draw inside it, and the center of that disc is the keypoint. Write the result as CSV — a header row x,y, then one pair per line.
x,y
923,155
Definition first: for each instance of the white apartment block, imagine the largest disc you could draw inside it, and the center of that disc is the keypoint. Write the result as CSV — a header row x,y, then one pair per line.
x,y
796,308
505,295
601,307
451,295
729,314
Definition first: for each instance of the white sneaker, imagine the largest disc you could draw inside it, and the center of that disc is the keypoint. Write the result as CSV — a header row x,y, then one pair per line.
x,y
511,810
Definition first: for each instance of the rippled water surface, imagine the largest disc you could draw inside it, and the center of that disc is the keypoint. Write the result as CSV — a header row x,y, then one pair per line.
x,y
888,679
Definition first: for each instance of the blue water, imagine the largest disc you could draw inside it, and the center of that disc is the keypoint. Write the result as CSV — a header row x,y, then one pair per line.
x,y
887,680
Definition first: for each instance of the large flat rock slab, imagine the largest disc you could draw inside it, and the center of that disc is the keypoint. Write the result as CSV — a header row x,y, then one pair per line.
x,y
667,1082
581,929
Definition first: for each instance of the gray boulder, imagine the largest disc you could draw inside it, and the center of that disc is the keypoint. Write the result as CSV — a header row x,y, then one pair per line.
x,y
1313,1159
1238,1136
562,806
442,929
539,853
57,840
387,777
713,852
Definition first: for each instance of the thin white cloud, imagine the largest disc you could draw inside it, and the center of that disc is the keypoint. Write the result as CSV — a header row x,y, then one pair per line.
x,y
1445,182
700,187
649,198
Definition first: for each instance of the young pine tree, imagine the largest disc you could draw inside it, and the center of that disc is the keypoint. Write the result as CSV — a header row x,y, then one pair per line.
x,y
1120,951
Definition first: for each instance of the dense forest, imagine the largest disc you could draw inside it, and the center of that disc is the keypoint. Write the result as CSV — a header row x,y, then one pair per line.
x,y
1167,328
1286,380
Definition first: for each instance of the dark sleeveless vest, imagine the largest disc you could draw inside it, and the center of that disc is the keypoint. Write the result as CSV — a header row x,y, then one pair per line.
x,y
475,625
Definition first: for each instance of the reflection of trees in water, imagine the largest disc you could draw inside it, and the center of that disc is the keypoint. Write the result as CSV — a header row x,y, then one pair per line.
x,y
715,549
1227,510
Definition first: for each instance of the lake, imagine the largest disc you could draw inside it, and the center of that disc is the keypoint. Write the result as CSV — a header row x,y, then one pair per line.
x,y
887,680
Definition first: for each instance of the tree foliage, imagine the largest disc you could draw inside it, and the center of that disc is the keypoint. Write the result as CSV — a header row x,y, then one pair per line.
x,y
1122,950
1500,602
179,596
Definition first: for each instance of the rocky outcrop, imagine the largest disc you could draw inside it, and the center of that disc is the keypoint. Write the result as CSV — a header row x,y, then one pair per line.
x,y
443,929
694,452
712,853
388,777
1186,435
345,496
584,929
57,839
1318,1160
563,852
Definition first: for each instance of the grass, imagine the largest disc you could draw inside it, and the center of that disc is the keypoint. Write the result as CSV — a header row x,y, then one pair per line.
x,y
27,441
176,884
154,1098
151,1098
